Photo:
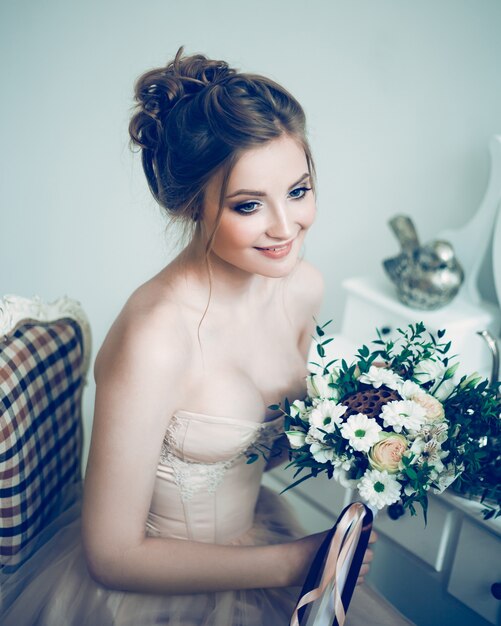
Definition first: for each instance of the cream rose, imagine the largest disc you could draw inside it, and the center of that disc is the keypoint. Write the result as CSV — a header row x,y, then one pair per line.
x,y
387,452
433,407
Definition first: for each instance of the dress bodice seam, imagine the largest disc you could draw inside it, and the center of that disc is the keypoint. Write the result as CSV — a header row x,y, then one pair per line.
x,y
180,413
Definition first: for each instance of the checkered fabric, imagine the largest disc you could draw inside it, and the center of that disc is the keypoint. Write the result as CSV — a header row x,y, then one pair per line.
x,y
41,384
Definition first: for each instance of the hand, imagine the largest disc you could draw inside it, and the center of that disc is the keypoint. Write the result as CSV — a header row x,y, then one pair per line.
x,y
368,556
299,557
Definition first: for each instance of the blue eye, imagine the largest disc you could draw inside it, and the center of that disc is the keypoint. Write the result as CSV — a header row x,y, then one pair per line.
x,y
299,192
247,208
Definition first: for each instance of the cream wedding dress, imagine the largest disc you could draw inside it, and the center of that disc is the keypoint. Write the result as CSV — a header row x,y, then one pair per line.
x,y
204,491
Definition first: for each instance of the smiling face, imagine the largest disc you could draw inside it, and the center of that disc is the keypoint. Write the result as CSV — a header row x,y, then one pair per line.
x,y
268,208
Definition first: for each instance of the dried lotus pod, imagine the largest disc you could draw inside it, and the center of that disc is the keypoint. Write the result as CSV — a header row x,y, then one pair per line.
x,y
369,401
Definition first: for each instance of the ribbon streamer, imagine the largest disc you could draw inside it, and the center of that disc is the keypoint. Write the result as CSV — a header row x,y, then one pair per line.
x,y
345,546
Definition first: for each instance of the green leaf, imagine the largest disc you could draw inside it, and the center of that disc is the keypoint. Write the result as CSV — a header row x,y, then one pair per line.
x,y
252,458
411,472
298,482
319,331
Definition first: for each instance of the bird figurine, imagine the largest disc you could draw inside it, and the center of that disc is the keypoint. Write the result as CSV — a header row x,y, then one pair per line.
x,y
426,277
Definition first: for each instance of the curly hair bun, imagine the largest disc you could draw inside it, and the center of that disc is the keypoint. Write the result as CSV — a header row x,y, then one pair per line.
x,y
196,115
158,91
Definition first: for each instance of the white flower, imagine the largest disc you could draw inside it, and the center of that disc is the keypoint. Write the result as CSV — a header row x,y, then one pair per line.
x,y
321,453
361,431
409,389
341,475
429,452
447,478
435,431
379,488
327,415
442,390
342,463
429,369
377,376
403,414
314,435
434,409
296,438
318,385
298,409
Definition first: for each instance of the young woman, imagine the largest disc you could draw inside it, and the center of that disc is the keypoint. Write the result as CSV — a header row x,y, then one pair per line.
x,y
176,528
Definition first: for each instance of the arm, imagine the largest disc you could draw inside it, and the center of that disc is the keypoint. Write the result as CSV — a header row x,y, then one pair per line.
x,y
138,382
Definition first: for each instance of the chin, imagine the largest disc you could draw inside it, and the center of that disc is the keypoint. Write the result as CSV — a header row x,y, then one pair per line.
x,y
278,270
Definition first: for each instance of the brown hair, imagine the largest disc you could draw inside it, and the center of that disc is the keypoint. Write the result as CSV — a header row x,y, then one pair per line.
x,y
195,116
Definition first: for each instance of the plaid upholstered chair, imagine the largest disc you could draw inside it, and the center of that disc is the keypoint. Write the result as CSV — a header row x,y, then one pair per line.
x,y
44,358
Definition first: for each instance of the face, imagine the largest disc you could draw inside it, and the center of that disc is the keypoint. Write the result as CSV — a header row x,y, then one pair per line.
x,y
268,209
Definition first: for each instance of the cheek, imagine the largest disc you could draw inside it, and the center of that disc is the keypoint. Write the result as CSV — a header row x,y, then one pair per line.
x,y
307,217
235,233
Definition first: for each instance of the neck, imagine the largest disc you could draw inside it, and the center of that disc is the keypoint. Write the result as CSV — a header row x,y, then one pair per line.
x,y
228,284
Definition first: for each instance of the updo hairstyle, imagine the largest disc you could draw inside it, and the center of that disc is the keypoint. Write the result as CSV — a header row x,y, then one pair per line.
x,y
196,116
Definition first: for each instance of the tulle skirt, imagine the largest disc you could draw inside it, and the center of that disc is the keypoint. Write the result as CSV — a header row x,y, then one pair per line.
x,y
52,587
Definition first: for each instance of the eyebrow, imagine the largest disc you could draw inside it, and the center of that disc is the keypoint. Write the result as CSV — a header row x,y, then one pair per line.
x,y
253,192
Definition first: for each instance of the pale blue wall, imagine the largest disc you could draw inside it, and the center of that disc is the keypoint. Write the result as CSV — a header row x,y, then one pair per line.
x,y
401,96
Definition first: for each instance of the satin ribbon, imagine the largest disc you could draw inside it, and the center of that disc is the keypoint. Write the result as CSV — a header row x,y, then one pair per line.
x,y
342,548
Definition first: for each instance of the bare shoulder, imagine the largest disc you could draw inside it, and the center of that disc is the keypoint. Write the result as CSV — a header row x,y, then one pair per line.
x,y
148,331
305,291
306,287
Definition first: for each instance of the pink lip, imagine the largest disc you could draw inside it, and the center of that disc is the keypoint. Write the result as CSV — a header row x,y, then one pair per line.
x,y
277,252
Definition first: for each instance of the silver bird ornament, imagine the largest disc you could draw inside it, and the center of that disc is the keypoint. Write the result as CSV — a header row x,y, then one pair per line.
x,y
426,277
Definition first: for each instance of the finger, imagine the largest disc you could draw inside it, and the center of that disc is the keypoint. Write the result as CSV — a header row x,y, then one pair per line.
x,y
373,536
360,580
364,570
368,556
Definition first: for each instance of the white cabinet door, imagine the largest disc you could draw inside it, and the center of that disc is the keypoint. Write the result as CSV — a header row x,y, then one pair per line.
x,y
477,565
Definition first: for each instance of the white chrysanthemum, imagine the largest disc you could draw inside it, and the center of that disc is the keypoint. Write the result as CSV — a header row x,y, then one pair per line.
x,y
378,376
361,431
327,414
403,414
319,385
379,488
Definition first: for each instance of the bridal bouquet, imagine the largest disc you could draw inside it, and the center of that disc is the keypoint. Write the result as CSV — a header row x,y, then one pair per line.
x,y
393,424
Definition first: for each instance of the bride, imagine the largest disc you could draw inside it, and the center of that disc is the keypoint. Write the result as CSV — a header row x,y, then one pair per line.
x,y
175,527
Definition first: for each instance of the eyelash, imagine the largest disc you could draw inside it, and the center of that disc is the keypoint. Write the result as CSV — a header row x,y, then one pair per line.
x,y
240,208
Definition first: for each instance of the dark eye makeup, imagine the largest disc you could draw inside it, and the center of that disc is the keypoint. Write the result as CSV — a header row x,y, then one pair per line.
x,y
247,208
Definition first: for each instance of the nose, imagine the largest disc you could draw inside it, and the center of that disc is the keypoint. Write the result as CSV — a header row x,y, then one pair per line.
x,y
280,225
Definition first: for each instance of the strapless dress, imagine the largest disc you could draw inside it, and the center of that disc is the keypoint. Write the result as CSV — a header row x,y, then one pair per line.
x,y
204,491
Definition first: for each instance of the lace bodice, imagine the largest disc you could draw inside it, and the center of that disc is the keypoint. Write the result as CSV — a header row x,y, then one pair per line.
x,y
203,472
